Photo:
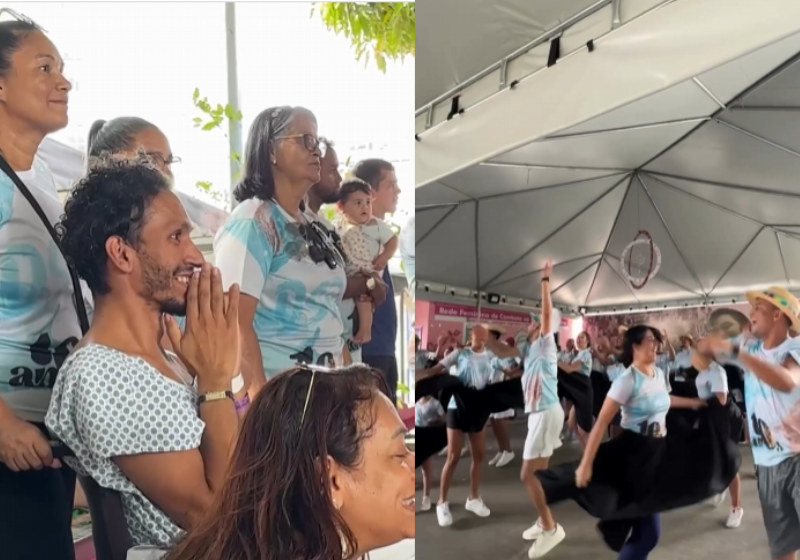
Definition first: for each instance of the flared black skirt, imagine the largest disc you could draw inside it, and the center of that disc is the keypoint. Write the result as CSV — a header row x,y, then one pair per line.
x,y
635,475
577,388
473,406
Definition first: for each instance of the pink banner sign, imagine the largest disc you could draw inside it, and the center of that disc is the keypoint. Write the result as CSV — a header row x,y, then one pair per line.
x,y
450,311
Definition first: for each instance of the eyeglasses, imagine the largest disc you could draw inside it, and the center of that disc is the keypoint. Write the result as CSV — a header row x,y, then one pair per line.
x,y
301,366
310,142
21,17
160,160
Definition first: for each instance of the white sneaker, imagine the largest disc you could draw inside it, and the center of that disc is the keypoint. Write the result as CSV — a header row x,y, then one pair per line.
x,y
443,514
546,542
477,507
465,450
735,519
717,500
426,503
443,452
533,533
496,458
505,458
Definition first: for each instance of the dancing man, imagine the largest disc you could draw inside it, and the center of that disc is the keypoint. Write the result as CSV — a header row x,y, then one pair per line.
x,y
770,357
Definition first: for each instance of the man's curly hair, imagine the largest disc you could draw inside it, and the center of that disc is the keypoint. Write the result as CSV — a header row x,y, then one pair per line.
x,y
111,200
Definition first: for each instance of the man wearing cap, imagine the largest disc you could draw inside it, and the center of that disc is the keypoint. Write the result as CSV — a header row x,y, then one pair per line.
x,y
770,357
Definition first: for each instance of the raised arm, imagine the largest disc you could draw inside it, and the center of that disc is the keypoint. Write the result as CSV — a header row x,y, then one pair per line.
x,y
547,304
781,377
502,350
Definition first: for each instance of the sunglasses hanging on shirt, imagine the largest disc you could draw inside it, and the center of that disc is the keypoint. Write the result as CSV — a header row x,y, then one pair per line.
x,y
319,244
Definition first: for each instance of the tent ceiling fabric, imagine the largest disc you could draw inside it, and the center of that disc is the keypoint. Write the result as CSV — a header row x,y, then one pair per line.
x,y
481,33
709,167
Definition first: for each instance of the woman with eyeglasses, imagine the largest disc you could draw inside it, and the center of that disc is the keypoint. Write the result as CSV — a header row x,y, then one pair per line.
x,y
629,480
289,266
320,471
39,323
125,136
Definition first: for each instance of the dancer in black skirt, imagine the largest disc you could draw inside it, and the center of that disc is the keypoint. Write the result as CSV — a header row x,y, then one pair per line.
x,y
628,481
475,368
712,383
576,384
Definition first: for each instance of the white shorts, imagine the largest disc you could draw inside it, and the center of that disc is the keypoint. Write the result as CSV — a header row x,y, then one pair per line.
x,y
544,433
502,415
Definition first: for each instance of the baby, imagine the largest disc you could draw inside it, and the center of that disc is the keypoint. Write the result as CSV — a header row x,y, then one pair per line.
x,y
368,242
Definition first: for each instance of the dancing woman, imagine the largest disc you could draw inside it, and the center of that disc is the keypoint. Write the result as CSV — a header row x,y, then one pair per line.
x,y
545,417
628,481
475,368
712,383
577,388
506,368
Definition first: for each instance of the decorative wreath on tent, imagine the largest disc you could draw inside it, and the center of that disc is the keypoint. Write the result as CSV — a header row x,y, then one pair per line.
x,y
640,260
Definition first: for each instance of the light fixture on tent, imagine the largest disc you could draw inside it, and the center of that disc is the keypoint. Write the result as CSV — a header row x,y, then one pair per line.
x,y
641,260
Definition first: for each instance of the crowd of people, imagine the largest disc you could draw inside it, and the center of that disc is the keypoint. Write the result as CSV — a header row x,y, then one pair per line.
x,y
658,427
242,409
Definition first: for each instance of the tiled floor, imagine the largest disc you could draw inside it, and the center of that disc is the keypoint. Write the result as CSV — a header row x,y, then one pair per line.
x,y
696,533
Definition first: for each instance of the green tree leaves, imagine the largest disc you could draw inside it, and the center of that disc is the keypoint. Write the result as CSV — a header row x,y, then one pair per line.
x,y
378,31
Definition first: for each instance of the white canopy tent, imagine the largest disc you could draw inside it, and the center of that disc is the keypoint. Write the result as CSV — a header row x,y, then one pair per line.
x,y
663,123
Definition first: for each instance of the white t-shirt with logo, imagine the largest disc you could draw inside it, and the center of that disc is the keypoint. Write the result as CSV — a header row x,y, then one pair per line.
x,y
297,317
474,369
773,416
540,377
711,381
644,401
38,321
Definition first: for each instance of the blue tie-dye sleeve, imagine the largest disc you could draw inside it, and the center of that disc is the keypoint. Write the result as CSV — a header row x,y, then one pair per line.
x,y
243,256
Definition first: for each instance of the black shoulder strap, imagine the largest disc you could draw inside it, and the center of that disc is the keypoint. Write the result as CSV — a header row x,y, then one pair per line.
x,y
80,306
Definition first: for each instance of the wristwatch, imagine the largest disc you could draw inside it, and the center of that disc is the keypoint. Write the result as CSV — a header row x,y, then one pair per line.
x,y
215,396
371,284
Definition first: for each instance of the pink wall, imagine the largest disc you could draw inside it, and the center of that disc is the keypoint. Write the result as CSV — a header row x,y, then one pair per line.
x,y
454,321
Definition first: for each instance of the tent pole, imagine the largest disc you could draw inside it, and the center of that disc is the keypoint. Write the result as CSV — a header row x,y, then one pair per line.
x,y
234,125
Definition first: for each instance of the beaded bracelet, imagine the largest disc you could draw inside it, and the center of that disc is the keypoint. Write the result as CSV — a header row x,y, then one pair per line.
x,y
242,404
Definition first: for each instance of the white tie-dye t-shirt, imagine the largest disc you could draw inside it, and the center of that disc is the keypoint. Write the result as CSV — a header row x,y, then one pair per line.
x,y
297,318
427,412
774,417
540,377
585,359
474,369
711,381
683,360
644,401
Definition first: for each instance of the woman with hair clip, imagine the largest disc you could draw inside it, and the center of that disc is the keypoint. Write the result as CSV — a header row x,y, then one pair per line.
x,y
40,322
323,452
628,481
125,136
289,266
